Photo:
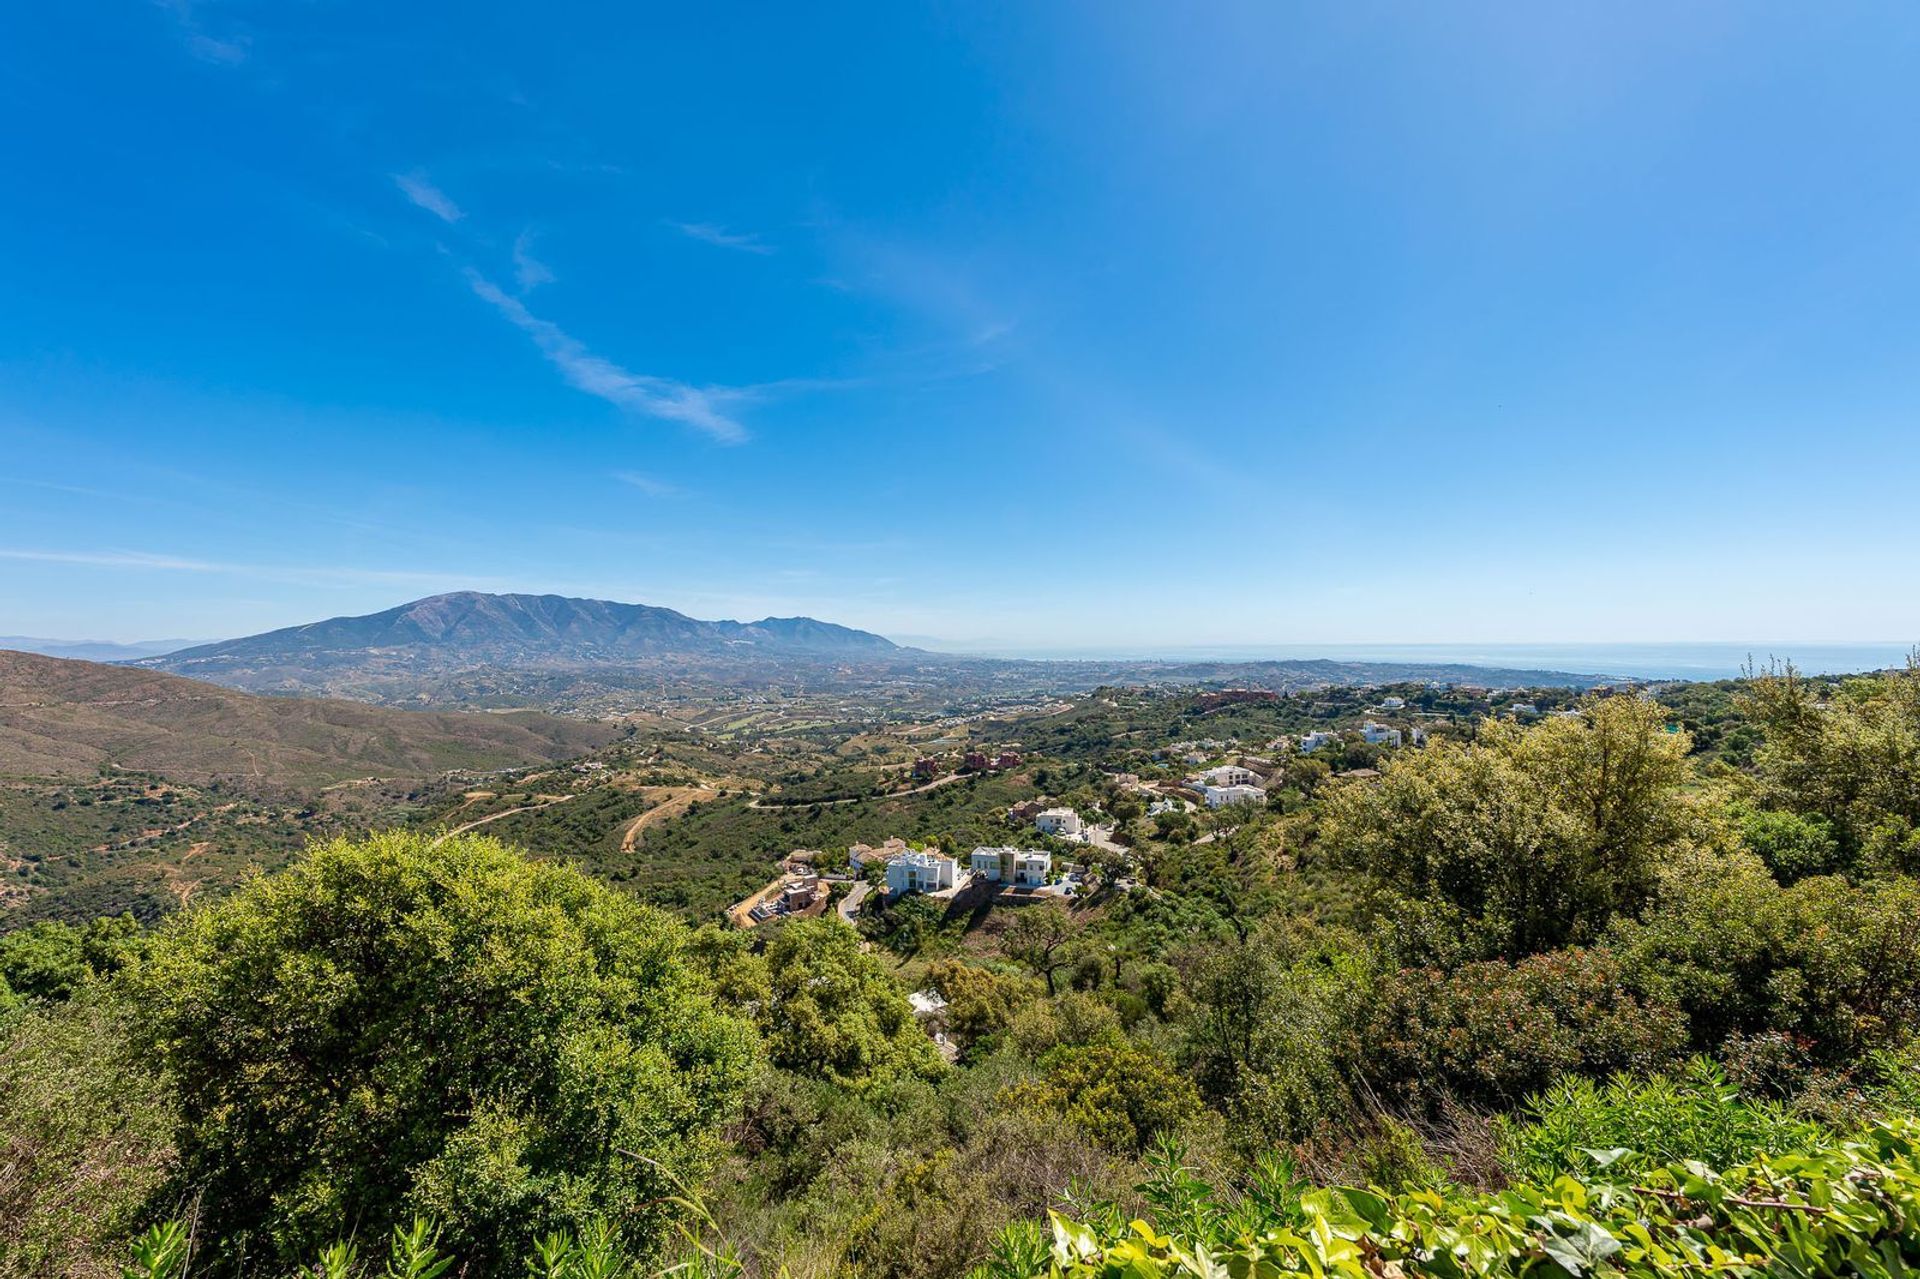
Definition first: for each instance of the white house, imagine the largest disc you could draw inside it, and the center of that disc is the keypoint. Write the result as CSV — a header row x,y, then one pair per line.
x,y
1221,796
1058,821
1311,742
1379,734
1225,775
1025,866
916,872
1393,703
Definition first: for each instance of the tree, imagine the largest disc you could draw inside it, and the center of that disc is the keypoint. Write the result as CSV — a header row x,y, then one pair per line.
x,y
1037,937
1793,845
1529,838
1262,1017
450,1029
1852,758
833,1011
1120,1093
980,1002
52,960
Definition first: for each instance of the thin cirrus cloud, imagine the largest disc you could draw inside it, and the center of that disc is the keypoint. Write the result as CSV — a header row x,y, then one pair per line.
x,y
721,238
646,484
528,271
297,574
428,196
112,559
659,397
227,51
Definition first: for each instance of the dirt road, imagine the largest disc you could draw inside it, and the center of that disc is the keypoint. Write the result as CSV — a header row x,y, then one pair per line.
x,y
505,812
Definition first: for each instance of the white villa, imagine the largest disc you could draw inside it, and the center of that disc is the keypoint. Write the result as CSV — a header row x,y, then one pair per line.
x,y
1393,703
1221,796
1376,734
920,873
1311,742
1028,867
1058,821
1225,775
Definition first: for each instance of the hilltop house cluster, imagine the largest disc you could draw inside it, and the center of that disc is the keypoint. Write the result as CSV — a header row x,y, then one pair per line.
x,y
1229,784
927,870
1372,732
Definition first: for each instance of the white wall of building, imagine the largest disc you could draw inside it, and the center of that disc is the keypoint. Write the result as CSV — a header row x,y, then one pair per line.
x,y
920,873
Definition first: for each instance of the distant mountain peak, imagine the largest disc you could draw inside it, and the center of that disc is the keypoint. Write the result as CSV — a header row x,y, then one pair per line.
x,y
469,629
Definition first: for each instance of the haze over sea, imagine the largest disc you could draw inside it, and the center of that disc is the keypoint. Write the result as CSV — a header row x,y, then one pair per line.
x,y
1636,660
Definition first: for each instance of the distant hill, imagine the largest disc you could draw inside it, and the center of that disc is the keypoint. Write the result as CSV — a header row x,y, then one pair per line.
x,y
472,631
67,718
94,650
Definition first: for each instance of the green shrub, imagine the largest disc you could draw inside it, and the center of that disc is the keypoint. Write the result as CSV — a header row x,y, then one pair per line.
x,y
1792,845
1118,1093
86,1138
399,1028
1694,1114
1832,1208
1493,1032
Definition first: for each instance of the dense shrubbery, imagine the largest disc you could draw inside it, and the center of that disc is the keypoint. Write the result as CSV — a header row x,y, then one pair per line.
x,y
1518,955
86,1140
1492,1032
1695,1113
1833,1208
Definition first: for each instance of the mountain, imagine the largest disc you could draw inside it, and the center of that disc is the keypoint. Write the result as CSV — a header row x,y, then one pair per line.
x,y
468,626
598,658
67,718
415,650
95,650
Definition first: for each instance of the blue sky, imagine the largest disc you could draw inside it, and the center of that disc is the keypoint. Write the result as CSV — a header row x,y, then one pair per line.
x,y
1103,324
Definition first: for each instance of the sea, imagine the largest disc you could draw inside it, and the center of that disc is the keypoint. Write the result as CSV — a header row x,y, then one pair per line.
x,y
1691,661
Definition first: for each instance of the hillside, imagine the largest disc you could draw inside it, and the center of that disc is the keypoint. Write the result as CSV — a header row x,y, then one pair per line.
x,y
68,718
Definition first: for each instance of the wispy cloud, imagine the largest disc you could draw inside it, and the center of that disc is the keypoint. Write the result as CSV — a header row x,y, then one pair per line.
x,y
428,196
664,398
646,484
114,559
298,574
530,272
721,238
227,51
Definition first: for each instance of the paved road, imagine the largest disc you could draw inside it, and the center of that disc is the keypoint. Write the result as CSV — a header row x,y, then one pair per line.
x,y
851,902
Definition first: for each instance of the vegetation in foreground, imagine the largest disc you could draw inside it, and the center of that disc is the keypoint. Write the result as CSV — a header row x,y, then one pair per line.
x,y
1502,1008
